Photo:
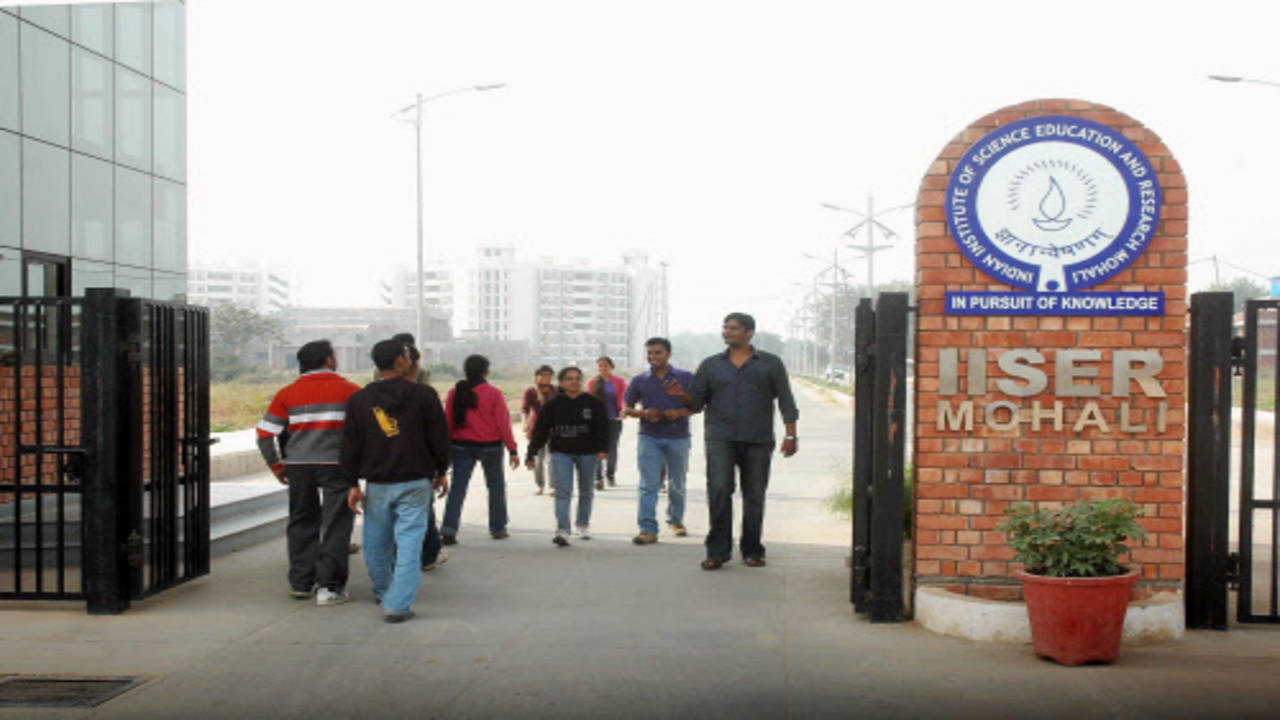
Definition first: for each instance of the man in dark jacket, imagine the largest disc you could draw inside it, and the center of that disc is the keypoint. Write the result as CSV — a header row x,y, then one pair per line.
x,y
396,438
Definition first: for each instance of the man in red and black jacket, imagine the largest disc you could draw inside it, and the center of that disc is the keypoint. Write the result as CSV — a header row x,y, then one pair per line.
x,y
307,418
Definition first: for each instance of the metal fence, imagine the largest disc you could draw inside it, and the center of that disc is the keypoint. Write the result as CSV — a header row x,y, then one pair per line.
x,y
104,461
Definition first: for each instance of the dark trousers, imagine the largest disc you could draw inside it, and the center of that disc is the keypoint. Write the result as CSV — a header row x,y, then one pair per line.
x,y
319,530
431,542
610,468
465,458
751,460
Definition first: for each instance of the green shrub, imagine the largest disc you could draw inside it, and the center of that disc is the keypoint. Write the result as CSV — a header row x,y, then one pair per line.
x,y
840,500
1081,540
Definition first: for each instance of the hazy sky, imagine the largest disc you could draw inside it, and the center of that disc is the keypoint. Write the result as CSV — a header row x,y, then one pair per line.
x,y
706,132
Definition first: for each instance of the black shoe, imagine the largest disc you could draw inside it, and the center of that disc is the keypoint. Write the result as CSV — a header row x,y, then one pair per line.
x,y
449,539
397,617
500,535
599,484
612,483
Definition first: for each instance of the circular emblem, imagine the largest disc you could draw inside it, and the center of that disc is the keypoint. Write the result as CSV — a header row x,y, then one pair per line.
x,y
1053,203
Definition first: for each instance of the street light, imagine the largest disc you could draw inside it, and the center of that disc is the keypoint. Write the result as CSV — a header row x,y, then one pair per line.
x,y
1238,79
869,221
416,120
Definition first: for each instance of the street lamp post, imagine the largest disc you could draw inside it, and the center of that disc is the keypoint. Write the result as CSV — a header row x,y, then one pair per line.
x,y
870,222
1238,79
416,119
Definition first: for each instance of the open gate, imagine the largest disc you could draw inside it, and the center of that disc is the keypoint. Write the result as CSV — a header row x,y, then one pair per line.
x,y
879,449
104,448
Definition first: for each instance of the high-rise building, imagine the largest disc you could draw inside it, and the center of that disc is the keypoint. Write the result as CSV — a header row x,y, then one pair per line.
x,y
93,149
249,286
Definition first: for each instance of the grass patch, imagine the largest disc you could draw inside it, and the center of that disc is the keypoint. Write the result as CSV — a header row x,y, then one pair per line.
x,y
839,501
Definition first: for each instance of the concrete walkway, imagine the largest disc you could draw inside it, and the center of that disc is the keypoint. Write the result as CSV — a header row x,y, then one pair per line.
x,y
604,629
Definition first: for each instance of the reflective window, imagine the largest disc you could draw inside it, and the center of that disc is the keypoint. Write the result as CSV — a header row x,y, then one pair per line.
x,y
91,208
170,287
46,198
133,35
170,226
170,132
8,71
170,44
93,27
46,85
10,272
10,190
133,218
135,280
87,274
91,103
133,119
54,18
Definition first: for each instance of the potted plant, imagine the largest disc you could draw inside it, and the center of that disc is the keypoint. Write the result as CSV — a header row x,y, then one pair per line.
x,y
1076,591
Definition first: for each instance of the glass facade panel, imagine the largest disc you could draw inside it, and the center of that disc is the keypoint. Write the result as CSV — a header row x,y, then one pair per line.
x,y
91,208
137,281
170,287
10,272
9,115
88,274
133,218
92,96
46,85
54,18
170,226
10,190
170,44
93,26
133,36
46,198
170,130
133,120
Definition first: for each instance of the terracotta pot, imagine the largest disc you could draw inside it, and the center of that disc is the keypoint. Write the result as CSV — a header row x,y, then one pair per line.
x,y
1077,620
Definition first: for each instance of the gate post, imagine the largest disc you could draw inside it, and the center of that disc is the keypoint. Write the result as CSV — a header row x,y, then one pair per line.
x,y
1208,461
864,384
889,429
106,521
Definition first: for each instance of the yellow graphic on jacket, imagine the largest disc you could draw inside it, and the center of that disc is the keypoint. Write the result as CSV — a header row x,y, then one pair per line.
x,y
390,426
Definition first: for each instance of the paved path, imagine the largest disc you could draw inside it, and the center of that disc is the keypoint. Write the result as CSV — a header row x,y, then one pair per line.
x,y
604,629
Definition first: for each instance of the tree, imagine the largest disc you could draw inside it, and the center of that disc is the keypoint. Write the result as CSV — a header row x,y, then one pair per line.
x,y
232,327
846,305
1243,288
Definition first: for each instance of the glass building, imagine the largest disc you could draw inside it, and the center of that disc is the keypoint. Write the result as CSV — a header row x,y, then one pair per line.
x,y
93,161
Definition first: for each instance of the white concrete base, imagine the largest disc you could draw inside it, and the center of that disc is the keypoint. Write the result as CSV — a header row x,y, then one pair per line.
x,y
1155,620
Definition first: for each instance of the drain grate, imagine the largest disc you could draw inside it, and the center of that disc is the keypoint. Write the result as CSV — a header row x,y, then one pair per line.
x,y
62,691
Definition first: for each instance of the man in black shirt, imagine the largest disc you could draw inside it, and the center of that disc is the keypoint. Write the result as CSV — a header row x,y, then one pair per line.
x,y
737,389
397,438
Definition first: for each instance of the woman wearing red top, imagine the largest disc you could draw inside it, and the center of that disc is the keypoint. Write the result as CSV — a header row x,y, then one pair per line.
x,y
609,388
479,425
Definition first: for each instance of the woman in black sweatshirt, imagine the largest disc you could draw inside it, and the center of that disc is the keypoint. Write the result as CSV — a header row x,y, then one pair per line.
x,y
575,424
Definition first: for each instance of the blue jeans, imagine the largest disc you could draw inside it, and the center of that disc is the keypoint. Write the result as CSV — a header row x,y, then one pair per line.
x,y
562,467
751,460
465,458
653,452
395,521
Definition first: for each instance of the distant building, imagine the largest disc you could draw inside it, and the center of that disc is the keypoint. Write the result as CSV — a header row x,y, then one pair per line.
x,y
353,331
249,286
567,313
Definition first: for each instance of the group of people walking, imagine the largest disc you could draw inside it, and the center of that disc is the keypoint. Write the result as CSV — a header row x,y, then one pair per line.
x,y
322,434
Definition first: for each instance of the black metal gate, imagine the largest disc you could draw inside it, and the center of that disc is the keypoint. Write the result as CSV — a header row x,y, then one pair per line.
x,y
104,461
1258,541
879,449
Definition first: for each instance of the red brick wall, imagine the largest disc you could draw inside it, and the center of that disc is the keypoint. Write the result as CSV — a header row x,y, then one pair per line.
x,y
15,404
965,480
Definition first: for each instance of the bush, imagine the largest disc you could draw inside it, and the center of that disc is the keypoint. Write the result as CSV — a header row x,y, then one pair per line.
x,y
1081,540
840,501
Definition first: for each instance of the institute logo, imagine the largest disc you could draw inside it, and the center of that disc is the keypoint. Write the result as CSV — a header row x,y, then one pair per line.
x,y
1053,204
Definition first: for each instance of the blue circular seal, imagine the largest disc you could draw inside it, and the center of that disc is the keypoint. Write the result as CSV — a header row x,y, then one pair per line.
x,y
1053,203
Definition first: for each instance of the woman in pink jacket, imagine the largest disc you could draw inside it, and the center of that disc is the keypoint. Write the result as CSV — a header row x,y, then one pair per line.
x,y
479,427
609,388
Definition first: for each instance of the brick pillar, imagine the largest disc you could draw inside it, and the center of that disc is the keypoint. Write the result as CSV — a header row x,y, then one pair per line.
x,y
965,479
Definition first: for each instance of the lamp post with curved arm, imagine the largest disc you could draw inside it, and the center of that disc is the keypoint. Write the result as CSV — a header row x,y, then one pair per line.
x,y
416,119
870,221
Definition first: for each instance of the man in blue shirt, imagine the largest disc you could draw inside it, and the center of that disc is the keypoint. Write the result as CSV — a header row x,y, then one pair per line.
x,y
737,389
664,438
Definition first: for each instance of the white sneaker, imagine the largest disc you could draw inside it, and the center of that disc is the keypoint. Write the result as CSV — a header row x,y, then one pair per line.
x,y
561,538
441,559
584,533
325,596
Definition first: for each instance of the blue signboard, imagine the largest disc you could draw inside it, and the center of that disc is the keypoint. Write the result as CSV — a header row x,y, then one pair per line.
x,y
959,302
